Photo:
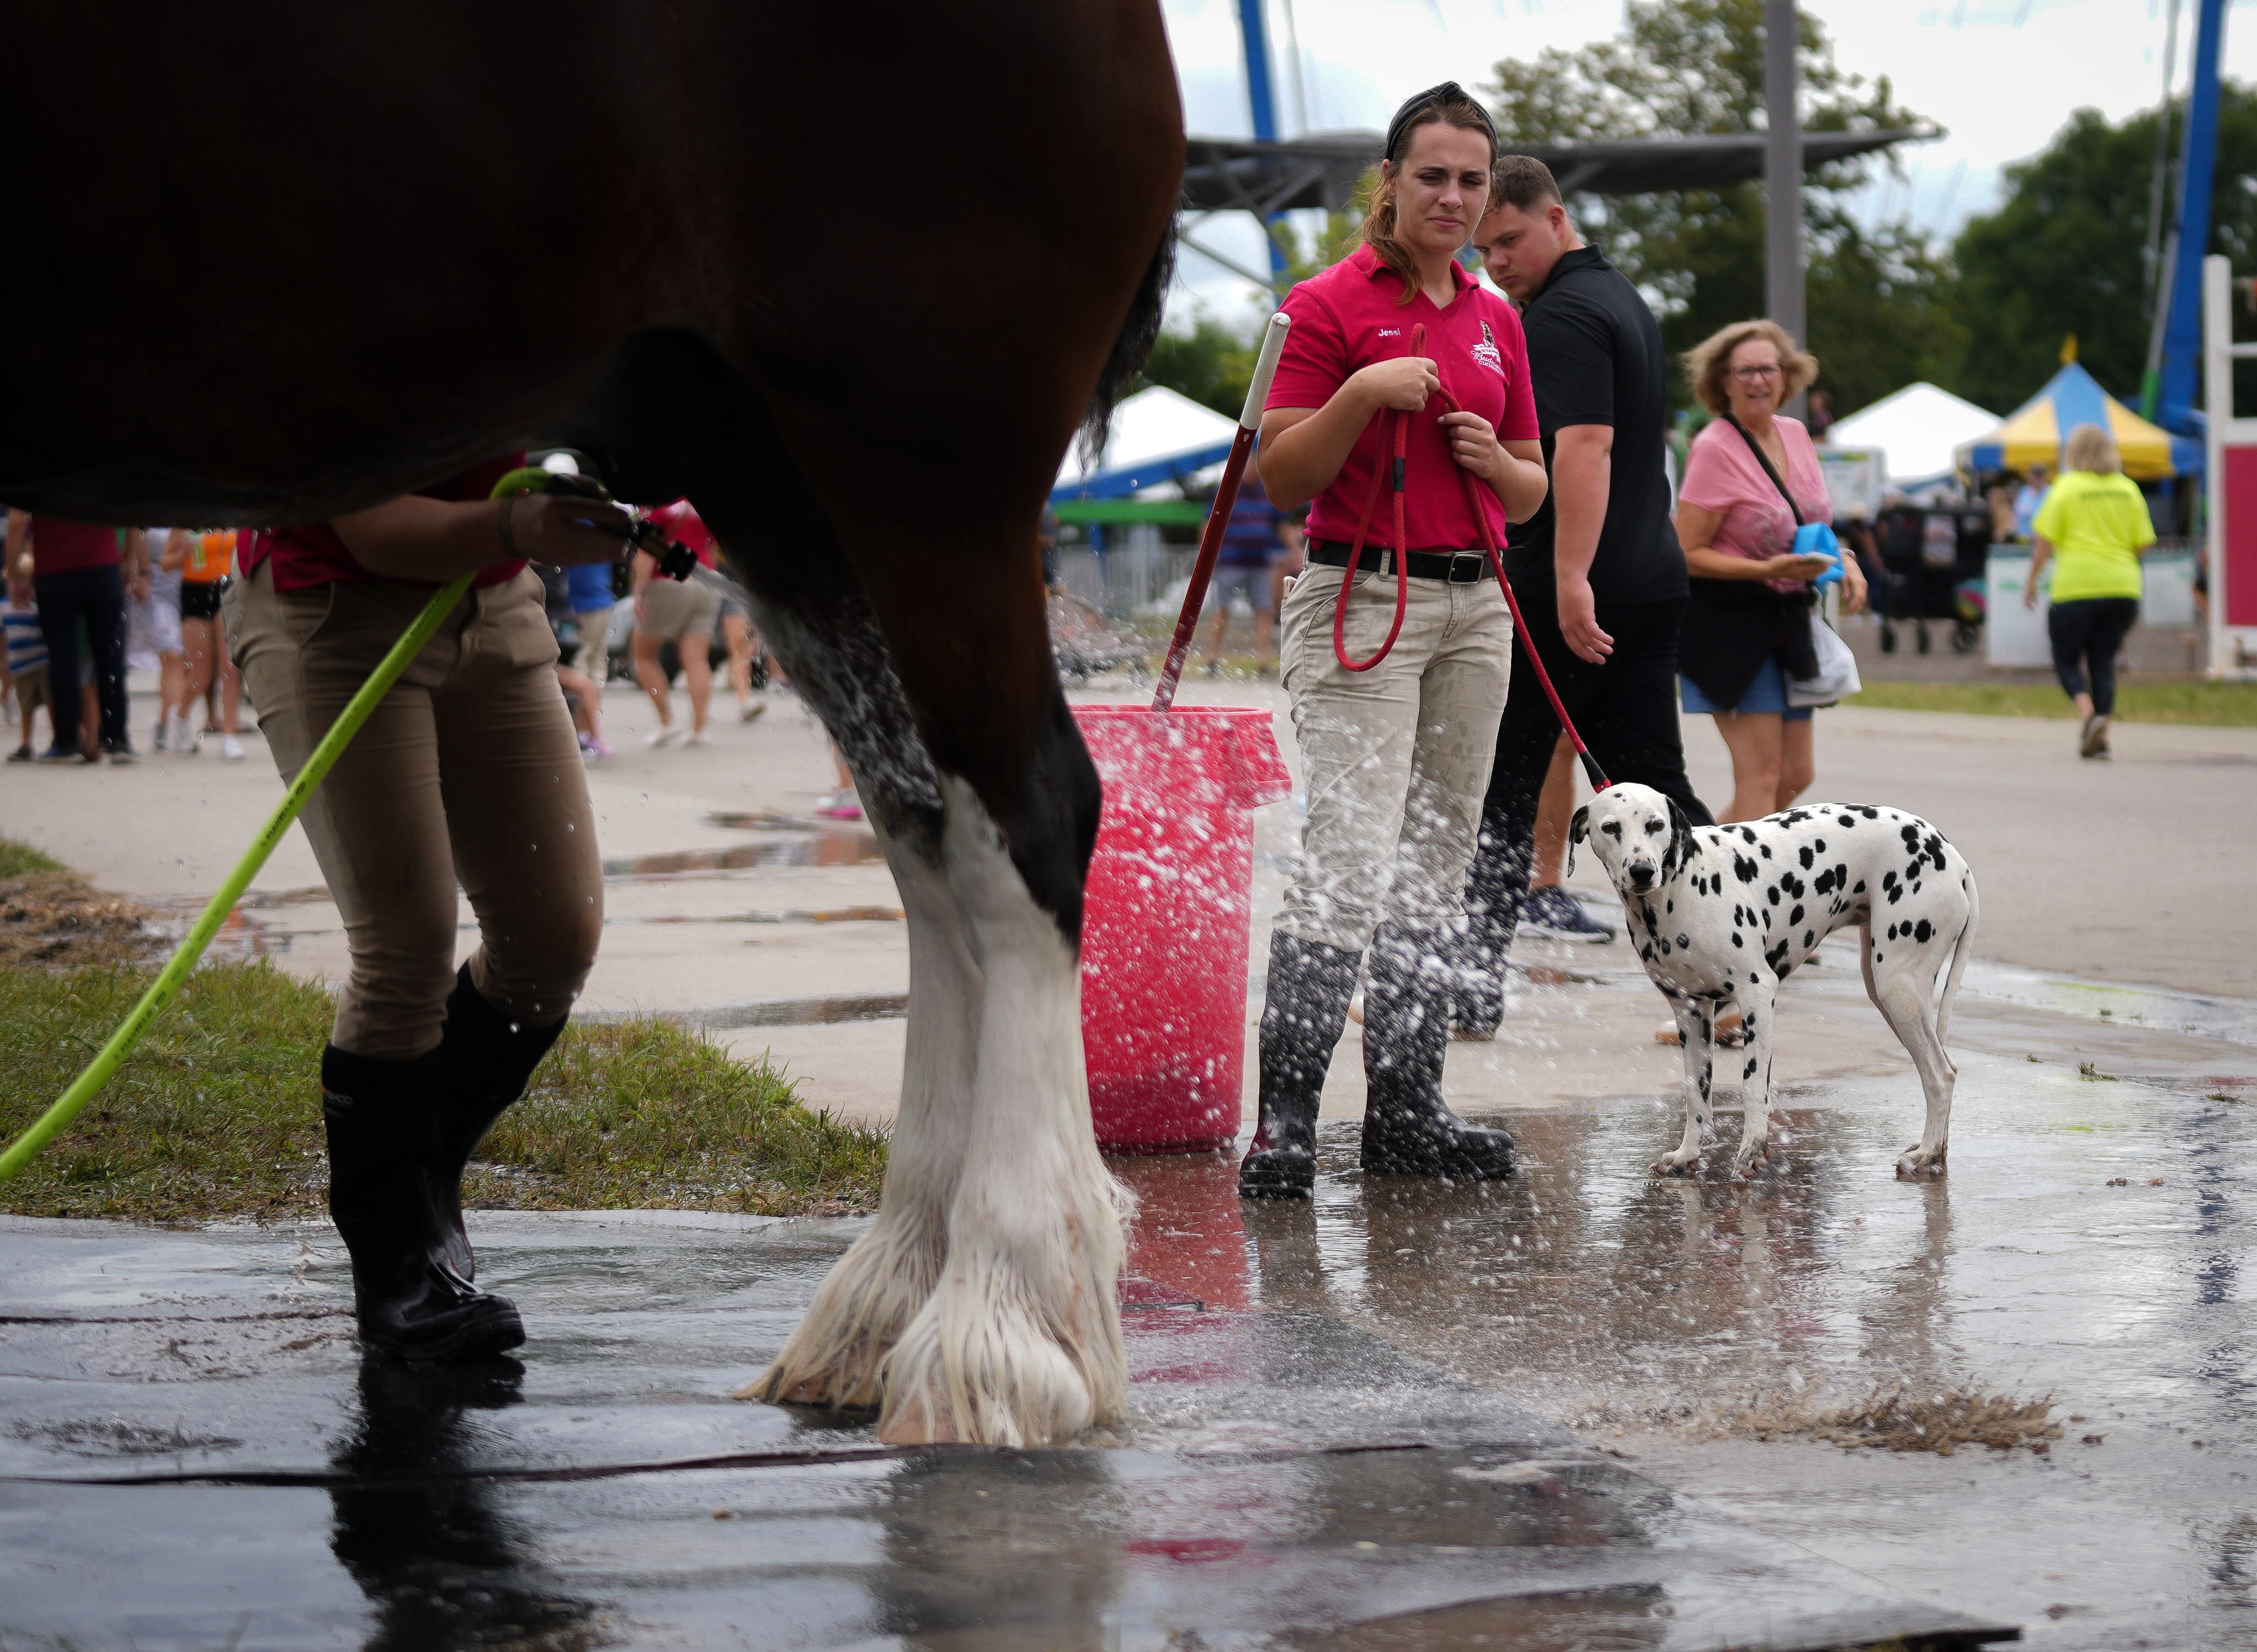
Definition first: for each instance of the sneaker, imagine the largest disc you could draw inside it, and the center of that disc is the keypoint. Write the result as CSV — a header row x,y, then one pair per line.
x,y
665,735
62,754
22,754
841,804
595,746
157,740
120,753
231,748
750,710
1556,915
699,736
2094,740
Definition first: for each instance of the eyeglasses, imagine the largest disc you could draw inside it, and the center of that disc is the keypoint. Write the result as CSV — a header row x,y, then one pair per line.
x,y
1749,375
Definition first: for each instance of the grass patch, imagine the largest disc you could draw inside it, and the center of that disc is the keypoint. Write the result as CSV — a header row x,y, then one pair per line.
x,y
218,1113
2232,705
1899,1419
20,860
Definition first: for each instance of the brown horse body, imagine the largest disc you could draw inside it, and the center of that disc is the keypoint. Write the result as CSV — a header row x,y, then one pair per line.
x,y
849,285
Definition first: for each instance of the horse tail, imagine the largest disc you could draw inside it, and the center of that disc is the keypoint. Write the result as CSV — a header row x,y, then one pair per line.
x,y
1132,345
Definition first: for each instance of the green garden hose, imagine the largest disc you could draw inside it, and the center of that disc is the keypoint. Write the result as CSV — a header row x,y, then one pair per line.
x,y
89,1083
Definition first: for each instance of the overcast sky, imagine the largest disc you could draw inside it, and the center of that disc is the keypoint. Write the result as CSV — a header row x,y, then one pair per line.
x,y
2001,76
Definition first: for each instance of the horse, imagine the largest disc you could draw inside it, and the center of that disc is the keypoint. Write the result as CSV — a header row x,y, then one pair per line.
x,y
269,262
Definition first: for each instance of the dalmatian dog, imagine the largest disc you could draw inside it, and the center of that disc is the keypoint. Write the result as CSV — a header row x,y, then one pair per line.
x,y
1722,915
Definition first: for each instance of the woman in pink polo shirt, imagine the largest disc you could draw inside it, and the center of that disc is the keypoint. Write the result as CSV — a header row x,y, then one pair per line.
x,y
1396,756
467,773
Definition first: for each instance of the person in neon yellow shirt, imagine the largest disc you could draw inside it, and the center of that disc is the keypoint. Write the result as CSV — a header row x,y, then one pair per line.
x,y
2095,521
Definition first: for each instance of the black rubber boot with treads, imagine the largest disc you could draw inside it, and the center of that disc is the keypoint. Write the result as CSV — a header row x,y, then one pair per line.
x,y
487,1063
1408,1128
1307,1006
408,1299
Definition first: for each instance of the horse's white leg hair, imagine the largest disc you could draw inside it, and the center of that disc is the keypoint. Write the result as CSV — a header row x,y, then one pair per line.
x,y
871,1293
1021,1344
1759,1013
1695,1026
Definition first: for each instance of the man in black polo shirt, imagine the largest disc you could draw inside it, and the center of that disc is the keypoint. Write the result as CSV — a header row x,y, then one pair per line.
x,y
1597,570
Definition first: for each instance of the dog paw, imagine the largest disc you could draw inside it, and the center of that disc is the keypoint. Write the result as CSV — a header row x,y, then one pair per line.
x,y
1913,1163
1675,1164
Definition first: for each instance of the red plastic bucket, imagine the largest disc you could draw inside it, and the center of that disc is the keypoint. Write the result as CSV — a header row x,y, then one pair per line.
x,y
1167,918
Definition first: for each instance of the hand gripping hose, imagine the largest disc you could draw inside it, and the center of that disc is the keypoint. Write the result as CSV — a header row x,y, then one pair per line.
x,y
1218,515
161,991
1393,474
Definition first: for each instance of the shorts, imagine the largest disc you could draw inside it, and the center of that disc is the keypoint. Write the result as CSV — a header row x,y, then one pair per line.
x,y
199,599
30,686
731,608
680,608
1767,694
1252,583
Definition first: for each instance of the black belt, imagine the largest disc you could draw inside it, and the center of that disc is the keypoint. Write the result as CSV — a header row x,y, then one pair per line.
x,y
1459,567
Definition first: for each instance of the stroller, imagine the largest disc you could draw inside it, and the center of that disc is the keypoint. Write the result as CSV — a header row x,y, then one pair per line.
x,y
1932,558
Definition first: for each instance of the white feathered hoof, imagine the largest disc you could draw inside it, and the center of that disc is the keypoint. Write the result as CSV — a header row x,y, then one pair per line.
x,y
984,1362
860,1312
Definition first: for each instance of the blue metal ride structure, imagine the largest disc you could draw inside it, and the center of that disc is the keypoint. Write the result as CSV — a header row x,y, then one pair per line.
x,y
2170,397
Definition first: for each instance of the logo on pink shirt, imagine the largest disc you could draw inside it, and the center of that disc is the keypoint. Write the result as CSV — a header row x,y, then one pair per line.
x,y
1487,353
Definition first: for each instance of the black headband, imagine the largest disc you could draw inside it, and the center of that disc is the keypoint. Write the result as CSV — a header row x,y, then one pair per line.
x,y
1449,91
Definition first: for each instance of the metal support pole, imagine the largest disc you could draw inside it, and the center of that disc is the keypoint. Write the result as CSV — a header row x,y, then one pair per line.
x,y
2182,356
1262,102
1783,297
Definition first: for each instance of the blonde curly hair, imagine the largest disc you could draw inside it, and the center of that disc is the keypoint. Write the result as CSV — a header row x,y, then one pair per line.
x,y
1707,362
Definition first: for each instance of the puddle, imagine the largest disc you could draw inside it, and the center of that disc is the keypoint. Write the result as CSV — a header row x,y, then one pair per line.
x,y
827,847
780,1012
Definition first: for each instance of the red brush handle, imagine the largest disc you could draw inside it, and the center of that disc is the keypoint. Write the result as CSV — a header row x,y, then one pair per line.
x,y
1218,515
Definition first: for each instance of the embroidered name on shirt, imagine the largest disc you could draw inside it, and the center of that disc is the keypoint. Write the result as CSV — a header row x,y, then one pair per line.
x,y
1487,353
1390,332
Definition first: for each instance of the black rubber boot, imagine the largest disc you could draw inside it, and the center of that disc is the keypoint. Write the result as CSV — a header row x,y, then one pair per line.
x,y
1496,888
1408,1128
1310,986
487,1064
409,1300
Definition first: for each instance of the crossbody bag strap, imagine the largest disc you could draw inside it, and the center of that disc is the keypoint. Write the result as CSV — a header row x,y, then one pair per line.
x,y
1764,459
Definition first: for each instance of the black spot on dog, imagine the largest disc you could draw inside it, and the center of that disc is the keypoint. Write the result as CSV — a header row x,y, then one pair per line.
x,y
1922,930
1670,906
1824,883
1848,821
1743,869
1777,958
1736,939
1805,856
1795,917
1748,833
1765,849
1809,939
1750,1072
1793,885
1895,894
1870,812
1773,892
1684,944
1646,953
1893,932
1860,889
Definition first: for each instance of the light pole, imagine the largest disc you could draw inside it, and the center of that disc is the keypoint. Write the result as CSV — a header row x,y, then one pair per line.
x,y
1783,179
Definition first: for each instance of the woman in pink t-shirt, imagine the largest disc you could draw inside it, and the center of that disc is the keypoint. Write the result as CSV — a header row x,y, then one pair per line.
x,y
1396,757
1747,629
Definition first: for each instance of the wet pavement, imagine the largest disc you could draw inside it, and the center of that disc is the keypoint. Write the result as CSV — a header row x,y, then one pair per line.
x,y
194,1457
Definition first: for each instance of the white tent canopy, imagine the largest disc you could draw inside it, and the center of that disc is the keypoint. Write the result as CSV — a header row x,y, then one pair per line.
x,y
1917,427
1155,433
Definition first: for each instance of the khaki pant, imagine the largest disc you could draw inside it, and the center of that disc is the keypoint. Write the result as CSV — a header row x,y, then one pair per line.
x,y
467,771
1397,758
681,609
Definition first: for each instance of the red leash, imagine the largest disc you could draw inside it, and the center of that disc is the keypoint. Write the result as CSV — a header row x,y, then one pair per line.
x,y
1394,472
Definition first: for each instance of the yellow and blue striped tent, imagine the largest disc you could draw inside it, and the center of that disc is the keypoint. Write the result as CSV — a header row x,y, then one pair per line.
x,y
2033,433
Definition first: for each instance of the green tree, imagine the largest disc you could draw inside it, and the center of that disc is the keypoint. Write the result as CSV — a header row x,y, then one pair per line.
x,y
2065,251
1878,306
1209,361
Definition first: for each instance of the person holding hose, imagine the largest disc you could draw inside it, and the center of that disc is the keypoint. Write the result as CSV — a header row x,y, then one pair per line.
x,y
467,772
1396,754
2095,524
